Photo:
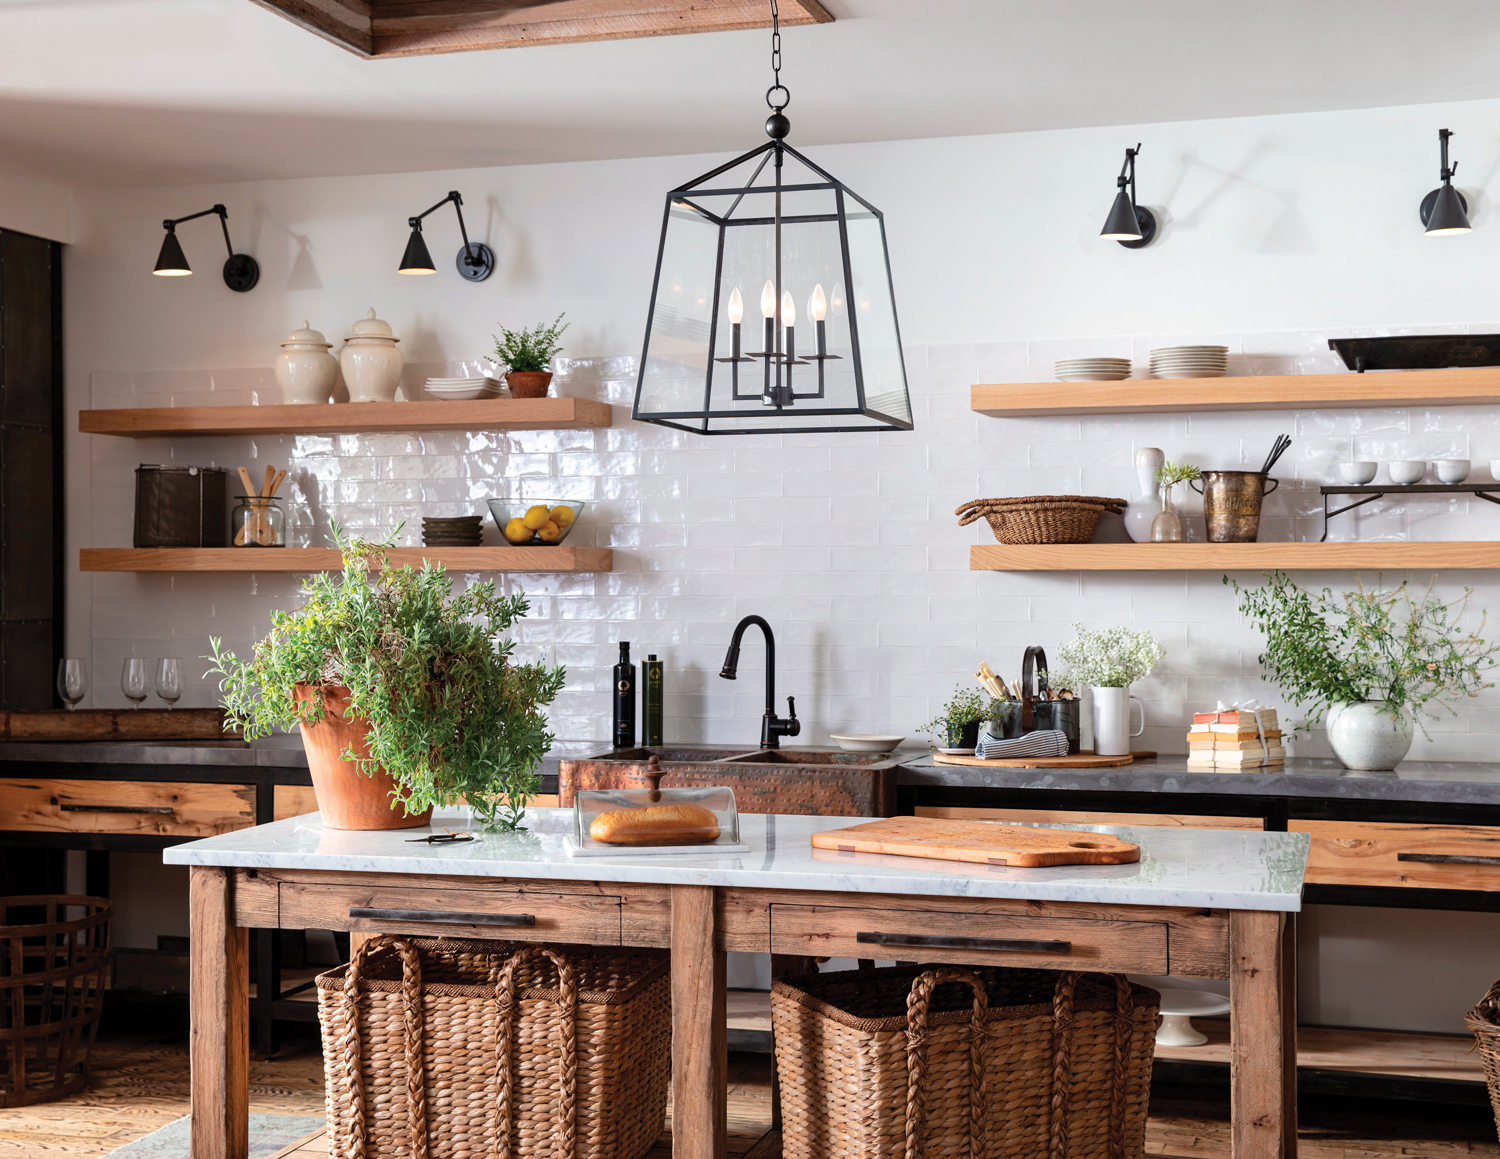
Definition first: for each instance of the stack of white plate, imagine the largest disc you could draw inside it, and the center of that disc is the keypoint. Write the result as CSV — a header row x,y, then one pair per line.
x,y
464,389
1091,369
1190,362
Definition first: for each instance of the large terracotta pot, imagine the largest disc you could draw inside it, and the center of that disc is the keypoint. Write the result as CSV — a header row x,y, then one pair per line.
x,y
347,799
528,383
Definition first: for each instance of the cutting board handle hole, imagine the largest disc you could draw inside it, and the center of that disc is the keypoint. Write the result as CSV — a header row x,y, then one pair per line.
x,y
1084,845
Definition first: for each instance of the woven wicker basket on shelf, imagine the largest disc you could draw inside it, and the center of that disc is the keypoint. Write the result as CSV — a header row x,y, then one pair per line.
x,y
436,1047
886,1064
1484,1021
1041,518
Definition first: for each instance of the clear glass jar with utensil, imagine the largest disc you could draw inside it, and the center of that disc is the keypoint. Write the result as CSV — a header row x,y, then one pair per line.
x,y
258,521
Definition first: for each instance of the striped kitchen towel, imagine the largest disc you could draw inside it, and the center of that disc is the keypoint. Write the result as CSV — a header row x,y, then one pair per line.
x,y
1042,743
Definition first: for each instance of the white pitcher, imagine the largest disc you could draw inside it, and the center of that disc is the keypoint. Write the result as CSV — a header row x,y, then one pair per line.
x,y
1112,733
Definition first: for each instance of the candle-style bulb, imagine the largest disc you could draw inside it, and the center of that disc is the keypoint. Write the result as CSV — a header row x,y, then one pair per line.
x,y
768,300
788,309
817,304
736,306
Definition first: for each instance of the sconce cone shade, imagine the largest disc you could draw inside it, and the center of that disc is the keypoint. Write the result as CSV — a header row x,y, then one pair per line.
x,y
417,260
1121,225
171,262
1448,214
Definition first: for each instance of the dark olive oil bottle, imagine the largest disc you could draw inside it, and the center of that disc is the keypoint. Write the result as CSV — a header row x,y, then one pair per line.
x,y
624,699
651,678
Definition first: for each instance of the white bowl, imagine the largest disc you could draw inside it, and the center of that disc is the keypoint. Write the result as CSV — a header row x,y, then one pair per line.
x,y
1495,469
1407,471
866,743
1451,470
1358,473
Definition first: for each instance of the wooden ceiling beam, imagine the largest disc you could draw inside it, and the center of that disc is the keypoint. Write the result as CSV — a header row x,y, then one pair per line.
x,y
344,22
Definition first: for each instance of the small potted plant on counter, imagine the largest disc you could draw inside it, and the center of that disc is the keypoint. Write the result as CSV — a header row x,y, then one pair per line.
x,y
1370,662
1109,662
526,356
405,694
958,723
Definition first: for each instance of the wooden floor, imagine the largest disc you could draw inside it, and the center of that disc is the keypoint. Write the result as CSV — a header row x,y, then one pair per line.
x,y
141,1085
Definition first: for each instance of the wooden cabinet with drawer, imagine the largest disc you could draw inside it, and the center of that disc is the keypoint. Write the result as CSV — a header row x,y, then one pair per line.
x,y
1414,856
150,808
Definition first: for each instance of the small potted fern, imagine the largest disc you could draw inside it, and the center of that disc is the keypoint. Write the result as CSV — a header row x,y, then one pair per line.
x,y
405,694
526,356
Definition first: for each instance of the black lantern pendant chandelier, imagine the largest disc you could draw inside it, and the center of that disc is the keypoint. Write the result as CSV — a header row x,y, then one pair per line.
x,y
806,238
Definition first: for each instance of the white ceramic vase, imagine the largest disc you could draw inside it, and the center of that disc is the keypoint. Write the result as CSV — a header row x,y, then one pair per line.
x,y
1112,721
1145,506
1365,737
370,361
305,371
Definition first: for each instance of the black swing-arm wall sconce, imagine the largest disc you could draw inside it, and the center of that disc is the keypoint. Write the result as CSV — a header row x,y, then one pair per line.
x,y
1445,211
476,261
241,271
1132,225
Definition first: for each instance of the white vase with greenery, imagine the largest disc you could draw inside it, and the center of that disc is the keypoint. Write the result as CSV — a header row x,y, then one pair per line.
x,y
1109,662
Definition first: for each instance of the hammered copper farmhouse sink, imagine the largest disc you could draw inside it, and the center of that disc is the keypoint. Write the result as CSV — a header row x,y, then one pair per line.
x,y
816,782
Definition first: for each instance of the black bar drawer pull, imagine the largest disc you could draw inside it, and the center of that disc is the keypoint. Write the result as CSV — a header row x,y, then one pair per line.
x,y
1015,945
457,919
165,809
1448,858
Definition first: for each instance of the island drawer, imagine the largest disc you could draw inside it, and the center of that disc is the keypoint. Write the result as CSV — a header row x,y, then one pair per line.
x,y
146,808
1391,854
509,915
973,939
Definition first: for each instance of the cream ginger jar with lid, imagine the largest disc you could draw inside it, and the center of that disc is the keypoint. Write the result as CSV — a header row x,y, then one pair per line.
x,y
370,361
305,370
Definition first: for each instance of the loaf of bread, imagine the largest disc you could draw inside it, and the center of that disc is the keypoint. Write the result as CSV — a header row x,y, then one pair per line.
x,y
656,825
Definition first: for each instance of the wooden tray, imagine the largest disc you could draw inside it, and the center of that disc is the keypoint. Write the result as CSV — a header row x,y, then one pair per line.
x,y
1083,760
102,724
980,841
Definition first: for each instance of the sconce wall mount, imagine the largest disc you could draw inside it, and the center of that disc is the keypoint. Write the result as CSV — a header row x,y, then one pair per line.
x,y
1445,210
475,261
1132,225
241,271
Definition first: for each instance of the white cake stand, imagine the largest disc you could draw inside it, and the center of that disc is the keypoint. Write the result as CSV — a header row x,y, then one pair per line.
x,y
1178,1007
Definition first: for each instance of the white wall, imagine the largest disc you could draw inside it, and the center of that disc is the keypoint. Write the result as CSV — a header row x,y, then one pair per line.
x,y
35,207
1277,233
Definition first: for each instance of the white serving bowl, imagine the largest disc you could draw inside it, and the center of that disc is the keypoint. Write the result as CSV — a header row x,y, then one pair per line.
x,y
1359,472
1407,471
1451,470
865,743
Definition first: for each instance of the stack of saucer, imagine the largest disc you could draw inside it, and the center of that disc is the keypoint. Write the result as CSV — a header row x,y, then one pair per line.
x,y
460,531
1190,362
464,389
1091,369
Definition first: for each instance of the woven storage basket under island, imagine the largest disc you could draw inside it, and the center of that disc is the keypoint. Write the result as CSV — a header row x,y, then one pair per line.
x,y
885,1064
437,1048
1484,1021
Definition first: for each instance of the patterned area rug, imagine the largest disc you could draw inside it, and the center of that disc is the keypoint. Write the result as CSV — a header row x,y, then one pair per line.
x,y
268,1135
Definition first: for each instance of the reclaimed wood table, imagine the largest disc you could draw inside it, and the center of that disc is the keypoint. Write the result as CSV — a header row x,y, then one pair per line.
x,y
1199,904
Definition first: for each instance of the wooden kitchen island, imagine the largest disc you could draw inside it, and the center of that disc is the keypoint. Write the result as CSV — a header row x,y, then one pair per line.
x,y
1200,904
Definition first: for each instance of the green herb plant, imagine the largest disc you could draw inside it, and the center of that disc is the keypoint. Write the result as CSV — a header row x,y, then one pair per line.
x,y
965,706
1168,475
529,350
1324,649
452,718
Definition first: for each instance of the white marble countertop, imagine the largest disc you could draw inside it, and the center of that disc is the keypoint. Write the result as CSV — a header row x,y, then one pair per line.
x,y
1212,868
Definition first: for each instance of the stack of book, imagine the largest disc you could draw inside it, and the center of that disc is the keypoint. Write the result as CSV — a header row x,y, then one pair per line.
x,y
1235,739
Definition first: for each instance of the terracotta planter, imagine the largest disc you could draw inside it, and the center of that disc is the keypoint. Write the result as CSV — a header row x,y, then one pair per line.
x,y
528,383
347,799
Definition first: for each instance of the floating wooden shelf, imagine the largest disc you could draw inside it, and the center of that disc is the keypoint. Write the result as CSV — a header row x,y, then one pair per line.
x,y
495,414
1390,556
1465,387
303,559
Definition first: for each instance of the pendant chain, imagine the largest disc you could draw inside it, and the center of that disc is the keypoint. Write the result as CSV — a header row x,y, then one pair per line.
x,y
776,62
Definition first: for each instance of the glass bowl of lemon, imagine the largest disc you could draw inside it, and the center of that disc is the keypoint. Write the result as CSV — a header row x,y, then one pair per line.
x,y
535,522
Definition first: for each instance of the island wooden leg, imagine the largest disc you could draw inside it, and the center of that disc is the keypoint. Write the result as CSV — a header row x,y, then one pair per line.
x,y
1262,1036
219,1045
700,1040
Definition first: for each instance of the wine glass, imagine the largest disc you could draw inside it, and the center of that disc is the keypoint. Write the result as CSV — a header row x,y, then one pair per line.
x,y
72,681
169,680
133,680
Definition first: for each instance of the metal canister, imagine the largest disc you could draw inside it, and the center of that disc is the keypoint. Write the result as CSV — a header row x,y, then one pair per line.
x,y
1231,504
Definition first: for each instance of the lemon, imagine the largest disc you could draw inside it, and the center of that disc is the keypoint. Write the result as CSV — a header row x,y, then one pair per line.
x,y
549,532
536,516
517,532
562,516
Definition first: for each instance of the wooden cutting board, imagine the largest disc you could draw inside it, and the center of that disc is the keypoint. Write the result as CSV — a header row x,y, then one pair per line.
x,y
1084,760
978,841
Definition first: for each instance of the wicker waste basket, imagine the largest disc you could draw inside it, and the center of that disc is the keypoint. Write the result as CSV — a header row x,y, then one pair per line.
x,y
53,952
1484,1021
886,1063
439,1048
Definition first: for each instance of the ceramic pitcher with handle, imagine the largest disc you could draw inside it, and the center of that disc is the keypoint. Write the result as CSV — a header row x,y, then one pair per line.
x,y
1112,732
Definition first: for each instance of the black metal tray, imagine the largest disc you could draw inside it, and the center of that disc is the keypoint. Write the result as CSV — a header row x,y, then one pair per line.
x,y
1418,351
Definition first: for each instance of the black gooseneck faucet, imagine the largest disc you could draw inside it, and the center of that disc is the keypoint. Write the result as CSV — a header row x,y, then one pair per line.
x,y
772,727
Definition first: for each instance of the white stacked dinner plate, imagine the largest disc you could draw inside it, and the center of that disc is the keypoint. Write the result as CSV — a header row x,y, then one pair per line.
x,y
463,389
1091,369
1190,362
